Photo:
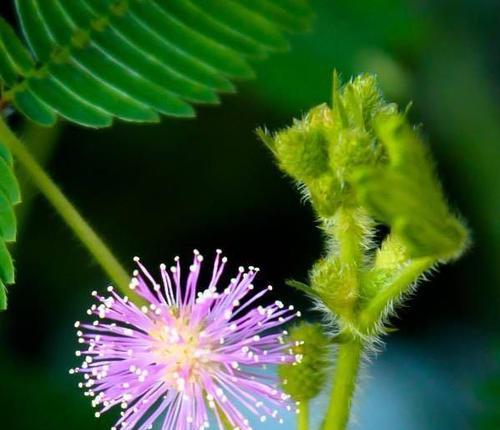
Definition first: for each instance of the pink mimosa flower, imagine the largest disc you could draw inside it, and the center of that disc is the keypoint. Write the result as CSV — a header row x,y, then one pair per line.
x,y
188,354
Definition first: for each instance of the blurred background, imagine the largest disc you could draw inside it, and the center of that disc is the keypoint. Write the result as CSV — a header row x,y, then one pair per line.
x,y
162,190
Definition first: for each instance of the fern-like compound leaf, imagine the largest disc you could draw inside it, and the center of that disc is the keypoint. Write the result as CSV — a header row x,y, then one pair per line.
x,y
91,61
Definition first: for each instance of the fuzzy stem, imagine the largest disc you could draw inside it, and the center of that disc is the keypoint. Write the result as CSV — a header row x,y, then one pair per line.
x,y
374,310
349,232
66,210
344,384
303,416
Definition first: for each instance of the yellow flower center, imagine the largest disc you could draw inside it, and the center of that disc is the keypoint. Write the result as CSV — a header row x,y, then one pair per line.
x,y
179,347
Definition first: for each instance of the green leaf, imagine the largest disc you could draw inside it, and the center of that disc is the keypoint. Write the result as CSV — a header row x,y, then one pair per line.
x,y
8,182
6,265
3,297
9,196
8,224
406,195
95,60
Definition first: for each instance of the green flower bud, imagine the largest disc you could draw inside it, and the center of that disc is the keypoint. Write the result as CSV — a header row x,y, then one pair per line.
x,y
362,101
305,380
326,194
338,292
301,150
352,141
352,148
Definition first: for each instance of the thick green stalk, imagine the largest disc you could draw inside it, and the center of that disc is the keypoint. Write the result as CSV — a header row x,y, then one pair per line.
x,y
374,310
66,210
303,416
344,384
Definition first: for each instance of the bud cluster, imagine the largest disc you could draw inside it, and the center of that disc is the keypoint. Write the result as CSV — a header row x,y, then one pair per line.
x,y
322,149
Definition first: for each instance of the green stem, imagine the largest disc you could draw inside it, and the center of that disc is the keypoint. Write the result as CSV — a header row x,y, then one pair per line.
x,y
344,383
374,310
349,231
66,210
303,417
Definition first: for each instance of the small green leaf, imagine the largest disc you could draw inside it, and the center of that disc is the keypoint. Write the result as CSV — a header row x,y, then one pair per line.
x,y
9,196
8,182
8,225
13,49
32,107
3,297
6,265
6,155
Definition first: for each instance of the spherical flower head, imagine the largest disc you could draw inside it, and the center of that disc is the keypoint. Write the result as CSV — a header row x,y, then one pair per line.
x,y
188,354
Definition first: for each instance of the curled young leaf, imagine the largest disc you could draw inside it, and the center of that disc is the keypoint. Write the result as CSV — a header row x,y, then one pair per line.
x,y
406,195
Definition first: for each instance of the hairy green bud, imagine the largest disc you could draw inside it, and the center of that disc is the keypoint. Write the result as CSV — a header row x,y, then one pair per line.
x,y
351,148
301,150
321,150
361,100
305,380
326,194
352,140
338,292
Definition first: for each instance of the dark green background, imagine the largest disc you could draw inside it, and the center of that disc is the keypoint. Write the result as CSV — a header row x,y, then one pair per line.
x,y
162,190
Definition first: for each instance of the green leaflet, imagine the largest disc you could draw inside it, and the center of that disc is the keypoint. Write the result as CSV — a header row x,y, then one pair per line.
x,y
9,196
406,195
95,60
3,297
8,224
